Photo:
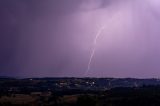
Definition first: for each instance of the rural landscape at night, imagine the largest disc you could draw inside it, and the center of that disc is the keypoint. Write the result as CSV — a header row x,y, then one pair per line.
x,y
79,52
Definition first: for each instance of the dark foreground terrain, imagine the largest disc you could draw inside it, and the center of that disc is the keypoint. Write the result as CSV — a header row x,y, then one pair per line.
x,y
79,92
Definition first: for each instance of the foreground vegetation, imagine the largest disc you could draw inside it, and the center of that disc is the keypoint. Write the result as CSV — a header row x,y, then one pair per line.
x,y
142,96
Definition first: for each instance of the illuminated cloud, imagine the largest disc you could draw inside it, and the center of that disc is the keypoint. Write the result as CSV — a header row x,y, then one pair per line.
x,y
91,4
55,37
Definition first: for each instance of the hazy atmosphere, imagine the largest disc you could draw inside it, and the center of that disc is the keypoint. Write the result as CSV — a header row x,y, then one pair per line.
x,y
56,38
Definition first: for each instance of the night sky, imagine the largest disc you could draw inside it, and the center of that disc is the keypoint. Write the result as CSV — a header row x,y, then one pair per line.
x,y
54,38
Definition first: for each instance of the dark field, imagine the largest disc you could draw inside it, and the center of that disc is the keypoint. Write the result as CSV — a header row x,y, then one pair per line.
x,y
79,92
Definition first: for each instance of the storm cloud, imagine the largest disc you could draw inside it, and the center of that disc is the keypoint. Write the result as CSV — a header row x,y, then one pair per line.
x,y
48,38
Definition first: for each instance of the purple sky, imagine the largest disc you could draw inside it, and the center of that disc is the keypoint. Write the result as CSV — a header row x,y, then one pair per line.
x,y
54,38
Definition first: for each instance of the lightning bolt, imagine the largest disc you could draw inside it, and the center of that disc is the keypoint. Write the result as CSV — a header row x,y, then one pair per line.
x,y
94,49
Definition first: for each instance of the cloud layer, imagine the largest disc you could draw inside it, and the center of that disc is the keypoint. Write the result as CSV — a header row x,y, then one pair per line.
x,y
55,37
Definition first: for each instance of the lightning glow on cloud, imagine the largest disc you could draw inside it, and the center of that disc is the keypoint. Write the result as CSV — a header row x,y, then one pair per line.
x,y
55,38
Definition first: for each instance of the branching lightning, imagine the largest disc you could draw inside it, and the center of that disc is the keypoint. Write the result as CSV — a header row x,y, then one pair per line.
x,y
94,48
